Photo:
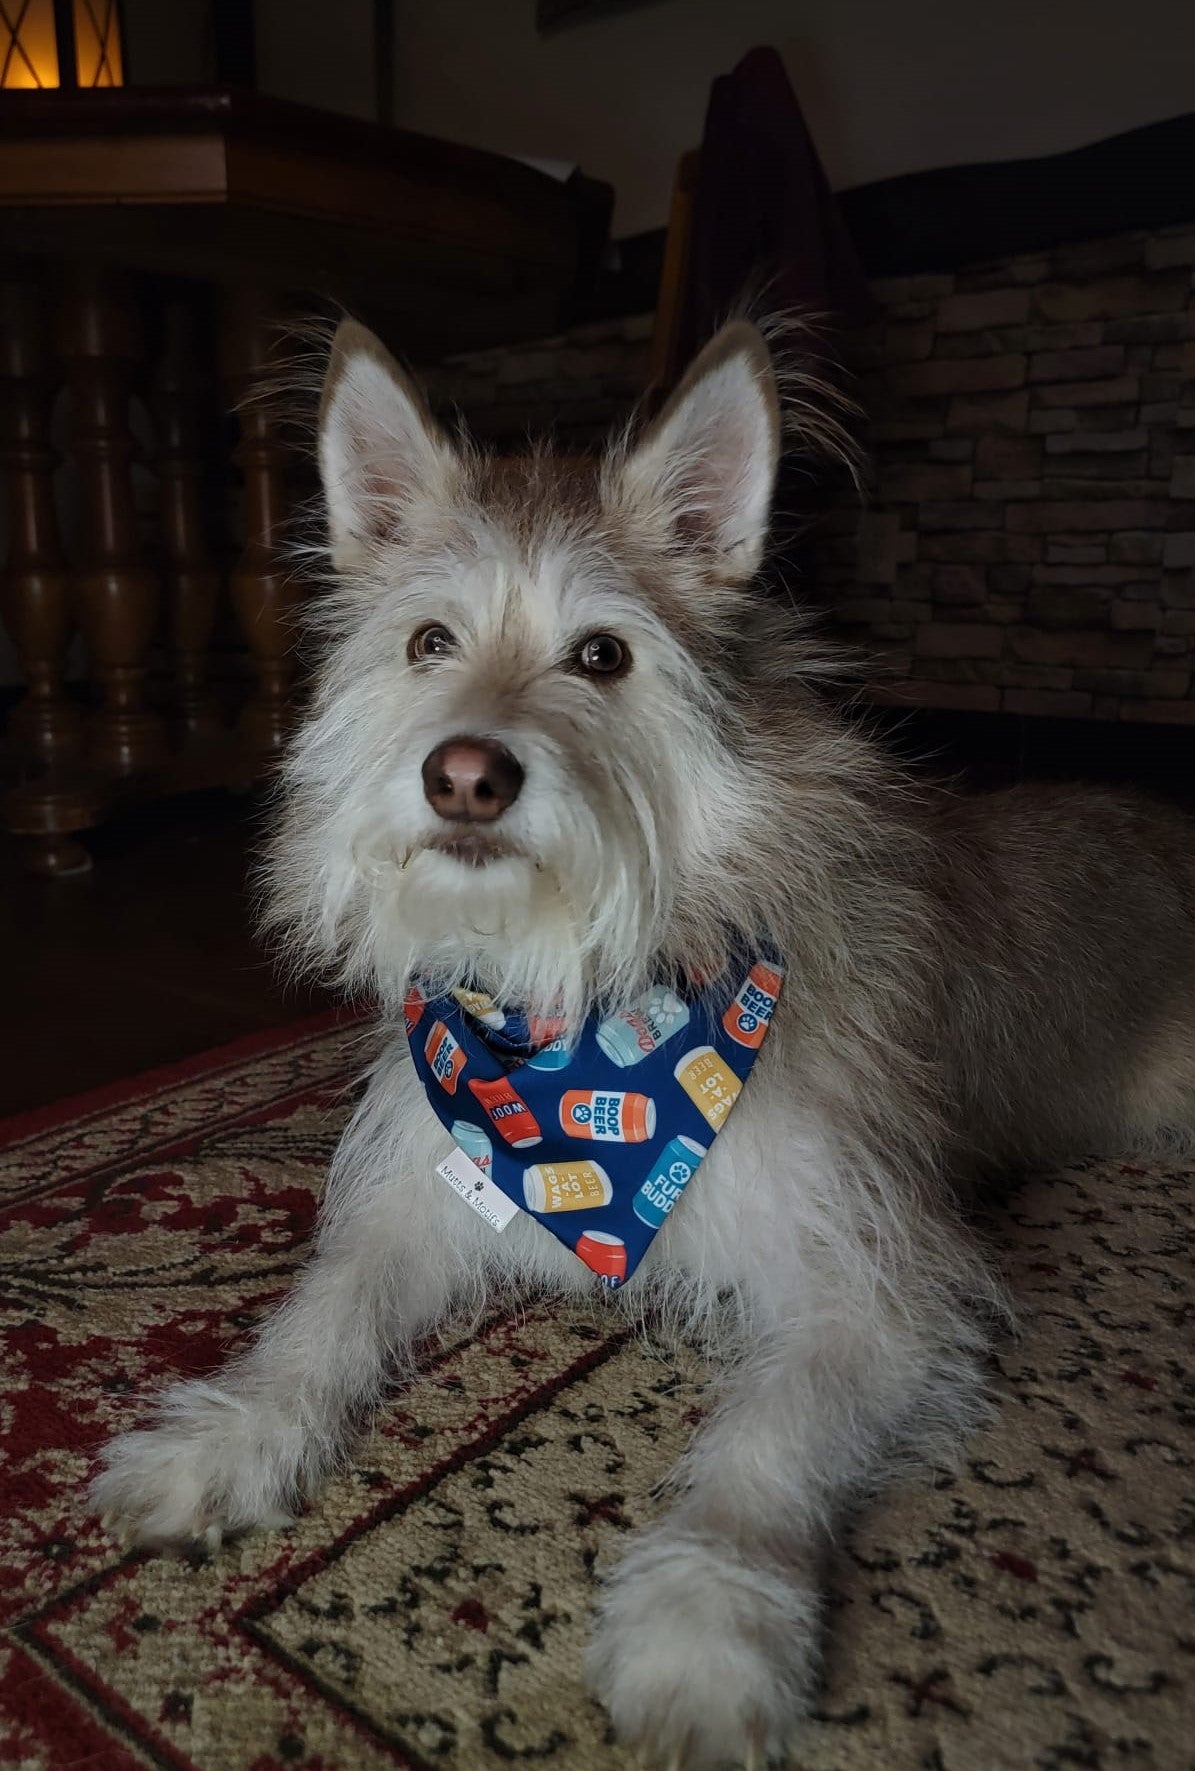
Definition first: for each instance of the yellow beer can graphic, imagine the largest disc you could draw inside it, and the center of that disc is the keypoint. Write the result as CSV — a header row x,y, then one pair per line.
x,y
481,1007
566,1186
709,1082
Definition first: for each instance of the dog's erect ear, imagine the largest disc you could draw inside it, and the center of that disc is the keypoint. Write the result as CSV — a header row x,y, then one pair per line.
x,y
707,463
379,447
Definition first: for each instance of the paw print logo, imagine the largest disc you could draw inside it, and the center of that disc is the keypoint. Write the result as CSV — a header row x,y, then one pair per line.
x,y
679,1172
582,1114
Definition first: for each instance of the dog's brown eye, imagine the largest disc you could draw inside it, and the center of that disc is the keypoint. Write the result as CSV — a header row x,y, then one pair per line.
x,y
432,641
603,655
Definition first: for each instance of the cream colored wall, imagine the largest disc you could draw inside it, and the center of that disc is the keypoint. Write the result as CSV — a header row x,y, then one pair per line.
x,y
888,86
318,52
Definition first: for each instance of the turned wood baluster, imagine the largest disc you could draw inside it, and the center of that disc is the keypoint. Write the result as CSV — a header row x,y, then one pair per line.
x,y
99,341
265,589
191,583
34,584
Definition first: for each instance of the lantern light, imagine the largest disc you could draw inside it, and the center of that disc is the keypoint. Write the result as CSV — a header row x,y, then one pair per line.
x,y
60,43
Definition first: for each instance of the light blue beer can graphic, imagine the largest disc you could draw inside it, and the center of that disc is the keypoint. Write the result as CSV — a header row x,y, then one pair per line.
x,y
674,1168
553,1056
476,1146
637,1032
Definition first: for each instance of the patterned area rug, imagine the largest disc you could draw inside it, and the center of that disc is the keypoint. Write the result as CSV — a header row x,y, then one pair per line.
x,y
1035,1610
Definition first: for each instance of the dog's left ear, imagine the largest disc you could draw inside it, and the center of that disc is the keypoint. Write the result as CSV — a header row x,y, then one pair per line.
x,y
706,467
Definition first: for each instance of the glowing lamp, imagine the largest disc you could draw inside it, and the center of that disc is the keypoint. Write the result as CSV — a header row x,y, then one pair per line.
x,y
60,43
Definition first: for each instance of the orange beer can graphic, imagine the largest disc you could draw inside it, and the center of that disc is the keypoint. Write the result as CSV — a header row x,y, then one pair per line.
x,y
747,1018
445,1057
509,1113
604,1254
579,1185
709,1082
612,1117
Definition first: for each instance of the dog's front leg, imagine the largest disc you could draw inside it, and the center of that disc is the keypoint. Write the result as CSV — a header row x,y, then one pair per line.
x,y
243,1449
706,1649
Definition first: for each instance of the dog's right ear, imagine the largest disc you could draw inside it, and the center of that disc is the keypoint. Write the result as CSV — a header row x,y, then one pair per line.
x,y
380,450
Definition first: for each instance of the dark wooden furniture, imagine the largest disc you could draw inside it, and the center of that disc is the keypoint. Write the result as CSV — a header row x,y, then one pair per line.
x,y
149,244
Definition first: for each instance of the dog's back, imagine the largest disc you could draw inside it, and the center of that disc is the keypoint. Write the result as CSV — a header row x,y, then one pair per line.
x,y
1068,1022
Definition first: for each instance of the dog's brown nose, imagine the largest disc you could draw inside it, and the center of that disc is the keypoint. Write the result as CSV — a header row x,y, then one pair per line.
x,y
471,779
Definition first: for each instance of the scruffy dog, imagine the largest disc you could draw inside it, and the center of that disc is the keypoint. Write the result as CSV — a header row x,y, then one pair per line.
x,y
563,748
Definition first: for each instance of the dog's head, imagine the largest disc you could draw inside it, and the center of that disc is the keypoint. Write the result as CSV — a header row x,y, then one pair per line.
x,y
539,757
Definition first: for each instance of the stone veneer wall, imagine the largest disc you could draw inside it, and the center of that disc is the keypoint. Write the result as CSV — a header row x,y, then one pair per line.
x,y
574,386
1028,544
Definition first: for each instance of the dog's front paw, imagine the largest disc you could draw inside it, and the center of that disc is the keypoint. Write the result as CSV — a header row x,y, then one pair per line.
x,y
212,1463
702,1658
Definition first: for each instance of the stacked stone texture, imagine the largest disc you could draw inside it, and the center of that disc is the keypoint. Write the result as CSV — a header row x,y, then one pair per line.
x,y
572,387
1028,543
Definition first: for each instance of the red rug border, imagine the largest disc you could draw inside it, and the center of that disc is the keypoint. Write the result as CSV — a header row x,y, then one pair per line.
x,y
130,1088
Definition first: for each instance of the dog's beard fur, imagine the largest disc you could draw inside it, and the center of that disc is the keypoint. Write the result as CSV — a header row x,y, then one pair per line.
x,y
595,855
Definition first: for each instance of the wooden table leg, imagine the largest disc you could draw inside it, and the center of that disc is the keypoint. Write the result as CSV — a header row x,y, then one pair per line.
x,y
265,587
45,724
191,582
117,595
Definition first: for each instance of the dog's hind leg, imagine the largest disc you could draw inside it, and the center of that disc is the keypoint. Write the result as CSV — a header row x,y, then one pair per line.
x,y
1160,1095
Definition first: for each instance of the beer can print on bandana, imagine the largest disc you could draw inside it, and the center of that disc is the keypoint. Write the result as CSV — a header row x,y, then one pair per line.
x,y
750,1014
599,1137
444,1056
614,1118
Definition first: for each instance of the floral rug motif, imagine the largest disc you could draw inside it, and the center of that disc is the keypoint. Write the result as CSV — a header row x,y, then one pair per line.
x,y
1036,1609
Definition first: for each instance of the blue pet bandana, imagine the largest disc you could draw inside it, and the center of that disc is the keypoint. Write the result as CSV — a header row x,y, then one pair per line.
x,y
599,1141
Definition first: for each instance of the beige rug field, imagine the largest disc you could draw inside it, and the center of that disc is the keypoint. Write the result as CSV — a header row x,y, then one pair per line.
x,y
1036,1610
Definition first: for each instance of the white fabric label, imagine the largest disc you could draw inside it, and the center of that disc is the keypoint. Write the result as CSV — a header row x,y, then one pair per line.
x,y
477,1190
